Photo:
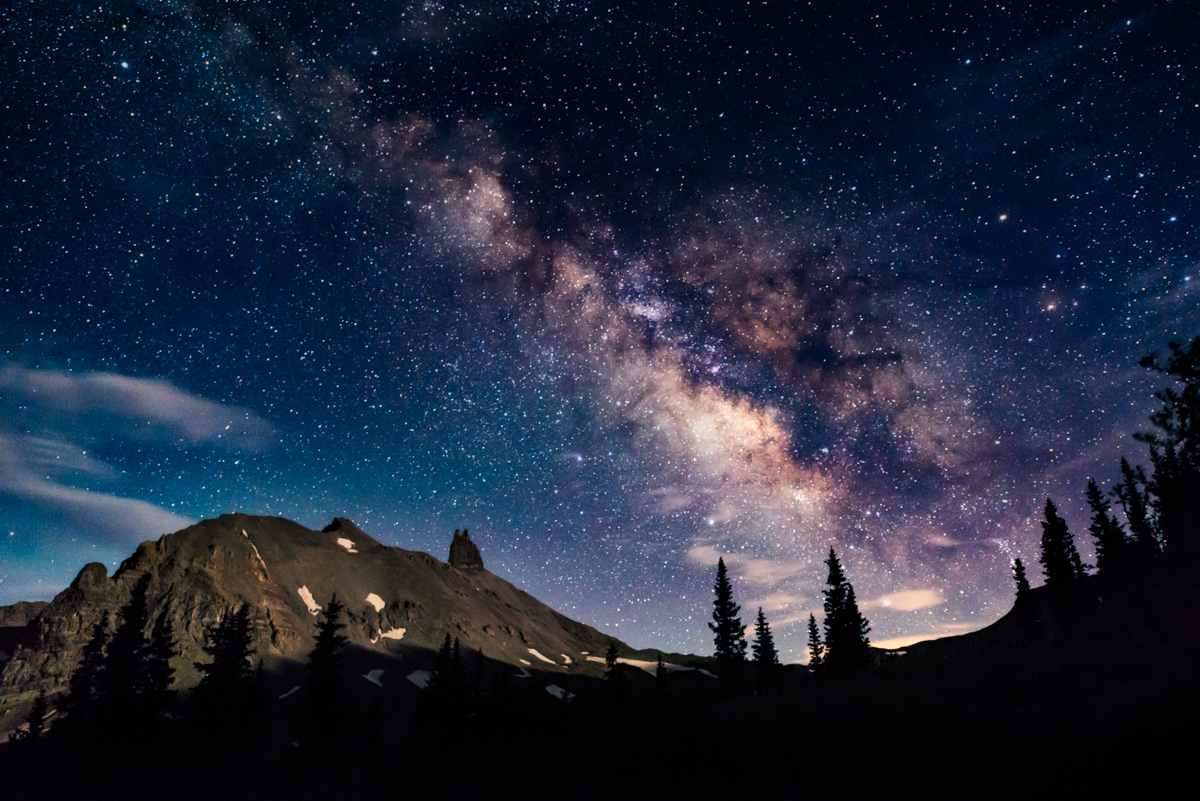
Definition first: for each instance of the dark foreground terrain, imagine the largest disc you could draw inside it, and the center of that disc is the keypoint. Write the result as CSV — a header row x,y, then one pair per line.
x,y
1089,693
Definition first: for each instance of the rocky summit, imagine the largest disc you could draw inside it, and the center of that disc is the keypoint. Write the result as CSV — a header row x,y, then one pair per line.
x,y
464,553
400,604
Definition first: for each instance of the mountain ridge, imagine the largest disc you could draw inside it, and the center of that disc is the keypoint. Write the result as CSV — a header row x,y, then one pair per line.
x,y
400,604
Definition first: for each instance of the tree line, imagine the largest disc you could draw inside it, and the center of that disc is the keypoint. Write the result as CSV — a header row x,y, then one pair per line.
x,y
121,693
841,647
1160,508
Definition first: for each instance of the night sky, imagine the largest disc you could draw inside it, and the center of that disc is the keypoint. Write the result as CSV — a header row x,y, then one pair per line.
x,y
620,287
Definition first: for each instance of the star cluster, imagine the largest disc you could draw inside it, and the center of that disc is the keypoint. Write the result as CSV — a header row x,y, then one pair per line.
x,y
623,288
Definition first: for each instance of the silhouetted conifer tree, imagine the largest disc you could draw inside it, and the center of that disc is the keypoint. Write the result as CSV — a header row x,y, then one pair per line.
x,y
158,674
325,683
816,648
78,706
846,644
228,643
766,658
1106,530
1018,571
729,635
1060,561
439,682
120,699
36,721
1135,502
220,703
611,663
458,671
1175,448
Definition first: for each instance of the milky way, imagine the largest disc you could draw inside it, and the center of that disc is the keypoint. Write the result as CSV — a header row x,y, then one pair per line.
x,y
623,289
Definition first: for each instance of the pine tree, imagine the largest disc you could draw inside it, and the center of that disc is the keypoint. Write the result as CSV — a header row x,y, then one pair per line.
x,y
119,692
228,643
1060,561
611,661
660,669
325,684
1018,571
1175,449
79,704
816,648
729,635
1132,495
1107,531
36,720
157,673
846,644
766,658
221,700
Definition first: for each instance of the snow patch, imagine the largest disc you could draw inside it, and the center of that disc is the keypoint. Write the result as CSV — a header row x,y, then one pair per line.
x,y
543,658
289,692
373,676
649,667
524,674
393,634
257,555
309,601
375,601
560,693
347,544
420,678
526,662
585,653
566,658
706,673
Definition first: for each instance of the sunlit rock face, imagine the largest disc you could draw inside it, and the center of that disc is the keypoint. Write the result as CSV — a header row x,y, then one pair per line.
x,y
398,604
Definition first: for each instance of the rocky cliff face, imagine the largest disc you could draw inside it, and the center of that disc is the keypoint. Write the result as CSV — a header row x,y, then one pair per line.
x,y
464,553
399,603
16,626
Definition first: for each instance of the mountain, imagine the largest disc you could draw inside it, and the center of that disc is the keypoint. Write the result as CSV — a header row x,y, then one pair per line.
x,y
400,605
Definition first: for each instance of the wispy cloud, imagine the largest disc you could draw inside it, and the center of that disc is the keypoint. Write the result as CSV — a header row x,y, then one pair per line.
x,y
24,463
142,408
905,600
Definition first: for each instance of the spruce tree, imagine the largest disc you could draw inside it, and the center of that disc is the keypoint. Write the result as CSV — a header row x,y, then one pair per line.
x,y
1175,449
611,661
440,681
220,702
120,698
325,683
729,636
228,643
1132,495
1060,561
846,644
157,673
1018,571
816,648
78,706
766,658
37,719
1107,531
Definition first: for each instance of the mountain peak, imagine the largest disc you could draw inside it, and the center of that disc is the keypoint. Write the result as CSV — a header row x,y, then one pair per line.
x,y
464,553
